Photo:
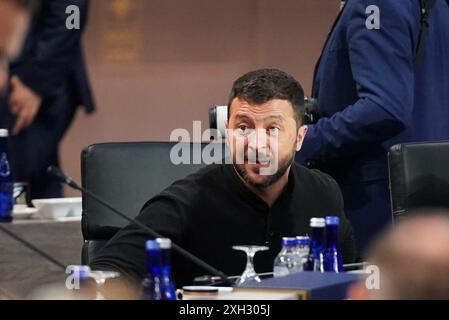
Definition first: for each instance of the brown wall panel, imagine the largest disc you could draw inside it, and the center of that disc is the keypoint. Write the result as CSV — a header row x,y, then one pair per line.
x,y
157,65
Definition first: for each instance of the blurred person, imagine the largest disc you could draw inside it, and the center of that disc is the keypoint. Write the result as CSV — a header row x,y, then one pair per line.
x,y
14,21
373,91
48,81
224,205
413,260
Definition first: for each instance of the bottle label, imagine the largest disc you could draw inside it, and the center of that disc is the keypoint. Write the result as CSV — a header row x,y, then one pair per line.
x,y
6,201
281,271
4,166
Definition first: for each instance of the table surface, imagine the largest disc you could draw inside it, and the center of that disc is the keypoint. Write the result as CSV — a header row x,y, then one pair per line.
x,y
21,270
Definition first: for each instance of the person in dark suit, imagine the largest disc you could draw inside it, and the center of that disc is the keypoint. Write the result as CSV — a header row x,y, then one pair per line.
x,y
48,82
371,95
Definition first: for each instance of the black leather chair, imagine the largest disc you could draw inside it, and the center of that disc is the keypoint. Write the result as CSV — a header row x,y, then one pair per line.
x,y
126,175
419,176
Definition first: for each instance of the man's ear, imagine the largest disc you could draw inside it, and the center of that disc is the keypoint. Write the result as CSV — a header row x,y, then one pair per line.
x,y
302,131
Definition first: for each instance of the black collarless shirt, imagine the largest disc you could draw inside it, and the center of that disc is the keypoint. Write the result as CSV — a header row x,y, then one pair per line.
x,y
212,210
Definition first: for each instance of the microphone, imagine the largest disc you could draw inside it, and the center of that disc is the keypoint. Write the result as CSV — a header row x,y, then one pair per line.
x,y
64,178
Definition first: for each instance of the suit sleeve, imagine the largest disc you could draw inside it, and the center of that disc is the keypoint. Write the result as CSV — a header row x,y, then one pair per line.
x,y
382,67
53,52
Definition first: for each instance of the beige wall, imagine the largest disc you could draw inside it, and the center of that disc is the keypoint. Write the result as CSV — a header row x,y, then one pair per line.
x,y
157,65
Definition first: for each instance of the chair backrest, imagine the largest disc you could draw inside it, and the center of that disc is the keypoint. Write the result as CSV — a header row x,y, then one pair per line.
x,y
127,175
419,176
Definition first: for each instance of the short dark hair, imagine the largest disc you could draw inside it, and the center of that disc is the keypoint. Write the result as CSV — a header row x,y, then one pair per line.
x,y
261,86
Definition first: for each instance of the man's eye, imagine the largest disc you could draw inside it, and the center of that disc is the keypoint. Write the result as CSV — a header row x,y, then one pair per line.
x,y
274,131
242,129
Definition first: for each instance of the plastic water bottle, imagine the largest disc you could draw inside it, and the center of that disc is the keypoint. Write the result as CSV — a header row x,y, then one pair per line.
x,y
151,283
334,261
167,282
6,183
287,261
302,250
316,259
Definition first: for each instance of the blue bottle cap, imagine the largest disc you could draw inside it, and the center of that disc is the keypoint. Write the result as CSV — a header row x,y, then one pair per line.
x,y
288,242
332,221
302,241
152,245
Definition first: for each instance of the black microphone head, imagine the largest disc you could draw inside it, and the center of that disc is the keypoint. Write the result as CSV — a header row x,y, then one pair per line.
x,y
61,176
57,173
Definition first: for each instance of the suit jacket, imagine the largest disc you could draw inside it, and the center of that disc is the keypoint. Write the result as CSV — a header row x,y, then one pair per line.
x,y
52,61
369,93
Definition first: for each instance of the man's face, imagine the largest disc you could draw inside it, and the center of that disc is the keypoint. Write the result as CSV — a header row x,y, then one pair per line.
x,y
14,22
263,140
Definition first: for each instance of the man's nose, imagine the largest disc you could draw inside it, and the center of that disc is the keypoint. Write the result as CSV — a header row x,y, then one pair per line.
x,y
258,142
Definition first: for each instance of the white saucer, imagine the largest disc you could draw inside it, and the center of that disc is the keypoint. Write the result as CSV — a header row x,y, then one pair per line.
x,y
23,212
69,219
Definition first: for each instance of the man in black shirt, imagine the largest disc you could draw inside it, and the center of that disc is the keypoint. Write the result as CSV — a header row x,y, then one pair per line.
x,y
257,200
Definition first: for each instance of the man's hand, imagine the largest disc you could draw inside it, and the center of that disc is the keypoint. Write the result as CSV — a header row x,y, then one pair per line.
x,y
25,104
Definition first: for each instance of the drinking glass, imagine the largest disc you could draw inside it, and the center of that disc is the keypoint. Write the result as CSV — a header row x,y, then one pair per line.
x,y
249,274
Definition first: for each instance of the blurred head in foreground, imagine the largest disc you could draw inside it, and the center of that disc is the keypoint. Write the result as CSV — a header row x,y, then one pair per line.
x,y
413,260
14,21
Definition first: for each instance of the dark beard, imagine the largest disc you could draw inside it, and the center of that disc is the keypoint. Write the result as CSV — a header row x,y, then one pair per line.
x,y
270,180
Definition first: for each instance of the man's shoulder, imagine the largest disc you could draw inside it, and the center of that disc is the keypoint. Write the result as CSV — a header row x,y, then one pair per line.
x,y
392,12
315,180
188,191
205,177
389,4
204,174
317,193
